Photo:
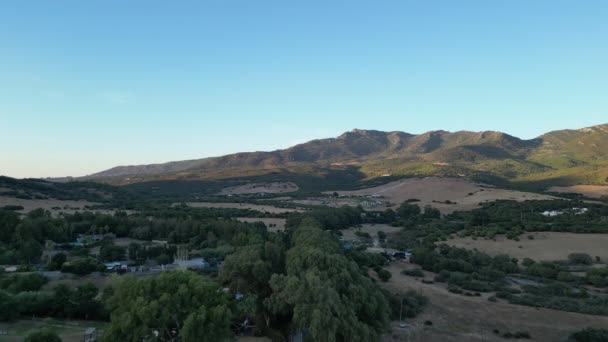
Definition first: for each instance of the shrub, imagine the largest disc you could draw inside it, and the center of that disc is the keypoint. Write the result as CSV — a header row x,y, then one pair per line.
x,y
414,273
580,259
384,275
43,336
83,266
22,282
590,335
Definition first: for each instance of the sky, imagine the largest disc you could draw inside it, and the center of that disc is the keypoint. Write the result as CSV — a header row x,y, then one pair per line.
x,y
88,85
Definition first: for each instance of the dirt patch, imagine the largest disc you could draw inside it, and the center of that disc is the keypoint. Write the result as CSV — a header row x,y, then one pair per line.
x,y
545,246
460,318
273,224
595,191
263,208
264,188
436,192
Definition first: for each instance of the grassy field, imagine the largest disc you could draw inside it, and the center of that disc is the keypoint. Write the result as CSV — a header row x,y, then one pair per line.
x,y
461,194
596,191
458,318
544,246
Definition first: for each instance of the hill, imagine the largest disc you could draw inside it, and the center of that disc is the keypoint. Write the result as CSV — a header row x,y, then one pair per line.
x,y
565,157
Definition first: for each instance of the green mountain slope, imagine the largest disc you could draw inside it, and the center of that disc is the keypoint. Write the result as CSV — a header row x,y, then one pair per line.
x,y
560,157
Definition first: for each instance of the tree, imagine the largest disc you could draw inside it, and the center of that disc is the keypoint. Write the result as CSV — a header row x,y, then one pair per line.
x,y
45,335
407,210
57,261
29,251
431,213
326,294
172,305
109,252
207,325
8,222
7,306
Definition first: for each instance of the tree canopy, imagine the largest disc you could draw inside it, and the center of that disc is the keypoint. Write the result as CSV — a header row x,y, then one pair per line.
x,y
174,305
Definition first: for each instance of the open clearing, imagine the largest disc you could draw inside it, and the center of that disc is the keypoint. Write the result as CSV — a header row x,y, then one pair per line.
x,y
460,318
546,246
263,208
433,191
278,224
595,191
265,188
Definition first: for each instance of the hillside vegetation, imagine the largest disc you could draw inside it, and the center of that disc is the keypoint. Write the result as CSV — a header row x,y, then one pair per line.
x,y
564,157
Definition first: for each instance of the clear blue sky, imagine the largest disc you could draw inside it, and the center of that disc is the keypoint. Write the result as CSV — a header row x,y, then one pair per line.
x,y
87,85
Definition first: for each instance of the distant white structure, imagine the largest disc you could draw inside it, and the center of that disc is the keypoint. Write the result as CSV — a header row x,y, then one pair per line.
x,y
575,211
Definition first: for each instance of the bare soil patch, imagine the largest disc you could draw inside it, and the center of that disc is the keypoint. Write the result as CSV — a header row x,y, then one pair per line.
x,y
595,191
273,224
545,246
460,318
266,188
461,193
258,207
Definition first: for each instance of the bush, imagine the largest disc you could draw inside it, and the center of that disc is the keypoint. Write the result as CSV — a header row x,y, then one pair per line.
x,y
580,259
13,207
43,336
384,275
22,282
414,273
364,235
590,335
83,266
57,261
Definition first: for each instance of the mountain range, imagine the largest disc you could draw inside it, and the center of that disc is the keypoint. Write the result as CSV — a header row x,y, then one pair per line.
x,y
564,157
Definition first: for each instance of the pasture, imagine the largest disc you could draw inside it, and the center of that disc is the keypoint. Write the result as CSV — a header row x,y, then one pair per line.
x,y
540,246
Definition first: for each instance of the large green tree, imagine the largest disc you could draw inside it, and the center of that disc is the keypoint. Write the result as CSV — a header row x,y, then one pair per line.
x,y
178,305
328,295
